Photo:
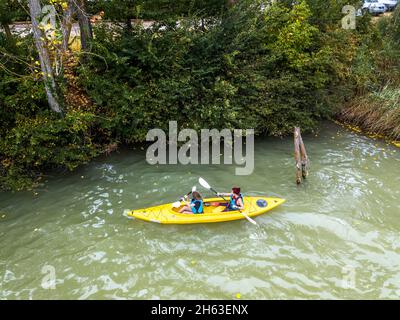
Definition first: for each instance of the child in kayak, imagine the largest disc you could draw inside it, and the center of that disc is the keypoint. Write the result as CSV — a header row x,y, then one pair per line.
x,y
236,199
195,206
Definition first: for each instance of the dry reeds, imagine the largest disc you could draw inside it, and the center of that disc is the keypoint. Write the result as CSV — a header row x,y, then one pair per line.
x,y
377,112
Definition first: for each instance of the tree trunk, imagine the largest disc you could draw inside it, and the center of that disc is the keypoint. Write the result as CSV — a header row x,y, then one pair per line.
x,y
84,25
67,24
129,24
44,57
7,30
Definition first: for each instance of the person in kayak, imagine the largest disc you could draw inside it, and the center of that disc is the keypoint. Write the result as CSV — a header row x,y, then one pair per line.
x,y
195,206
236,199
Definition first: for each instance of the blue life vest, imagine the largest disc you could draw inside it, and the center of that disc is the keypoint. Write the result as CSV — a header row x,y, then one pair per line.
x,y
233,203
198,206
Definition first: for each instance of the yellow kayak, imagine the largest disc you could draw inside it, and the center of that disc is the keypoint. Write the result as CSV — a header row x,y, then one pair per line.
x,y
214,211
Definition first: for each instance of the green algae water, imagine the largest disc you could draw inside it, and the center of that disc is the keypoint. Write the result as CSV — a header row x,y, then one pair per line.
x,y
336,236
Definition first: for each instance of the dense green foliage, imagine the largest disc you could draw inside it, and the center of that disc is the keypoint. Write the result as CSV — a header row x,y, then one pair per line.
x,y
265,71
32,138
204,64
12,10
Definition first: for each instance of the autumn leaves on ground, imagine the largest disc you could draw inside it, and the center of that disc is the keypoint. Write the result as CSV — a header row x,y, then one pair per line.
x,y
206,64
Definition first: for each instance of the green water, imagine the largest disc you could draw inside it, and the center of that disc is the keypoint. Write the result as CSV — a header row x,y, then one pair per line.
x,y
336,236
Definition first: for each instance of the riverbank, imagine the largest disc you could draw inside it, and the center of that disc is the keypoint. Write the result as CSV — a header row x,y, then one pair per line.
x,y
376,114
252,69
371,135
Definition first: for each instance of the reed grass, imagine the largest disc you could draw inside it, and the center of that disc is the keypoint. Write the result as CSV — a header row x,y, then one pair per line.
x,y
377,112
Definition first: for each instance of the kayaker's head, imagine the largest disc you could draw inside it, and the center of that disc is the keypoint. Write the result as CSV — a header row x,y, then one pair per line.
x,y
196,195
236,190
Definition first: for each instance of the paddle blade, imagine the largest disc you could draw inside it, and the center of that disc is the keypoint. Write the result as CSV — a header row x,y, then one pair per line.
x,y
176,204
204,183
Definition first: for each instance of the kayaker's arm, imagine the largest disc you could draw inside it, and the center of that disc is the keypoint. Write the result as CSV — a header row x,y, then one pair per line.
x,y
240,203
185,200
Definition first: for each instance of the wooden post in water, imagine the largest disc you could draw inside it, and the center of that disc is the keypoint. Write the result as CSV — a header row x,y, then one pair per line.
x,y
297,156
304,158
300,156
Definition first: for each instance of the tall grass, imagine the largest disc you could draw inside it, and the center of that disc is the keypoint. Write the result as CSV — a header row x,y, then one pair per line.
x,y
377,112
376,108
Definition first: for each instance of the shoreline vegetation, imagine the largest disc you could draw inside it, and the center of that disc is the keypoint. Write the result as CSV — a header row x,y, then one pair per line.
x,y
206,64
376,113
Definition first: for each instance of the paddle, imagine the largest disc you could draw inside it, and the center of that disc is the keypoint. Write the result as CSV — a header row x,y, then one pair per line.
x,y
177,204
207,186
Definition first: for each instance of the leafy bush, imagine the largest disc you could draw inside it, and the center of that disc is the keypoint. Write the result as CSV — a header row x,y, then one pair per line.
x,y
32,139
44,142
246,69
